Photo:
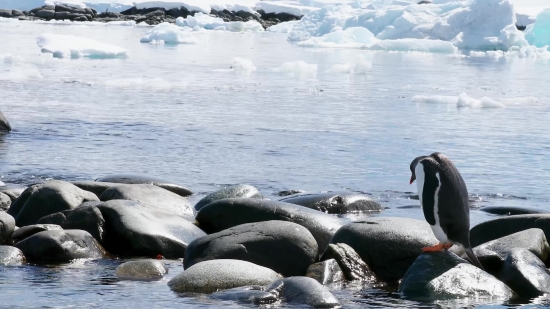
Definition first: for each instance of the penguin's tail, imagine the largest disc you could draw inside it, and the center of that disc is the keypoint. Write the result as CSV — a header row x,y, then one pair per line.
x,y
472,257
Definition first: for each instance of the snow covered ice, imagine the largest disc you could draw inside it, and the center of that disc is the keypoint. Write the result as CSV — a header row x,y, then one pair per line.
x,y
65,46
170,34
200,20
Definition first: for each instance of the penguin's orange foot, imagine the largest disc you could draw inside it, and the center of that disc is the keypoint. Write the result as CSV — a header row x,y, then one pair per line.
x,y
434,248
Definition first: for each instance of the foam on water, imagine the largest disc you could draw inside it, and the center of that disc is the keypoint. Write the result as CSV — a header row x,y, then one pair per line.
x,y
64,46
168,33
358,65
144,83
463,100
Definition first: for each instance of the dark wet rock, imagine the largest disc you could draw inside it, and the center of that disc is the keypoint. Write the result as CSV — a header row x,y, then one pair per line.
x,y
336,203
445,275
85,217
6,13
178,12
17,13
5,202
133,179
227,213
424,2
141,270
285,247
152,195
133,228
43,199
353,267
215,275
246,294
289,192
237,191
326,272
490,230
388,245
96,187
303,290
269,19
108,15
512,211
59,246
4,123
525,273
7,226
64,8
492,254
45,14
44,7
11,256
29,230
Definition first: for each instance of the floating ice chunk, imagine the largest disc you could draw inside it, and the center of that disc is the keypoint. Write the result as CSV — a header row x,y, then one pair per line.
x,y
242,65
354,37
419,45
200,20
170,34
63,46
284,27
435,99
359,65
465,101
538,34
300,68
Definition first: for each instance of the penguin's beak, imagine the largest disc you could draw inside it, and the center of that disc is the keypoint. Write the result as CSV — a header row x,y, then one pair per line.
x,y
413,178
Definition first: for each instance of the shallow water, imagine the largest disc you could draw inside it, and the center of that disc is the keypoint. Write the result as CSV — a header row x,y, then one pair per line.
x,y
178,112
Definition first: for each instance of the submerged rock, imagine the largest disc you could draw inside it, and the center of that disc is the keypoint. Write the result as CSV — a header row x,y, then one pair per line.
x,y
285,247
226,213
442,274
336,202
353,267
326,272
141,270
30,230
144,179
512,211
133,228
4,123
493,229
388,245
152,195
11,256
237,191
215,275
84,217
303,290
43,199
246,294
289,192
57,246
525,273
7,227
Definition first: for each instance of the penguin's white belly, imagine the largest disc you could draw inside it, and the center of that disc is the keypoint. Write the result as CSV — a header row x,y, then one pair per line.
x,y
438,231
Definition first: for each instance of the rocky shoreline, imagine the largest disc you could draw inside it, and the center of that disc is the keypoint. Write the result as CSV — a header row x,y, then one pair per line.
x,y
150,16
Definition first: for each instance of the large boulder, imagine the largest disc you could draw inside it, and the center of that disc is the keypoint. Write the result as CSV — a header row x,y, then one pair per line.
x,y
29,230
7,227
47,198
303,290
85,217
226,213
444,275
493,229
144,179
525,273
336,202
512,211
254,294
353,267
142,270
133,228
236,191
215,275
57,246
11,256
4,123
326,272
285,247
96,187
388,245
152,195
45,14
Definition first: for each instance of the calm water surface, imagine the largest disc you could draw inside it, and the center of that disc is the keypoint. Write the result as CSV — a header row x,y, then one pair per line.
x,y
178,112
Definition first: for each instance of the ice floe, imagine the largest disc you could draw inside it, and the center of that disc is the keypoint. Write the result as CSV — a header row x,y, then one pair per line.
x,y
538,34
70,46
463,100
200,20
169,34
242,65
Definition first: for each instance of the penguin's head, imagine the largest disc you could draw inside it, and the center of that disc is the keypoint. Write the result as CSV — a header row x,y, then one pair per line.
x,y
414,163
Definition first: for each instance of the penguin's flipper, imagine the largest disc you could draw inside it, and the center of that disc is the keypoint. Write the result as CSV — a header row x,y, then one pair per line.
x,y
472,257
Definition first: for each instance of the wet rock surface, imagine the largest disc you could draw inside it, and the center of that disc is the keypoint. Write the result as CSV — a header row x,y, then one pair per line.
x,y
30,230
246,294
326,272
11,256
493,229
7,227
238,191
227,213
303,290
525,273
96,187
215,275
4,123
336,202
512,211
134,179
143,270
284,247
85,217
353,267
441,275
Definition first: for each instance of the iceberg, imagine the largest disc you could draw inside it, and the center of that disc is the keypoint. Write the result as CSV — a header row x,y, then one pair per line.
x,y
538,34
65,46
200,20
168,33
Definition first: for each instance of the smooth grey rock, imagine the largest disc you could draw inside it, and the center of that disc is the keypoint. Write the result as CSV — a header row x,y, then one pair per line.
x,y
45,14
326,272
5,202
64,8
493,229
525,273
43,199
7,227
512,211
4,123
336,202
143,179
13,192
152,195
246,294
57,246
11,256
143,270
227,213
133,228
441,275
85,217
289,192
303,290
44,7
215,275
237,191
5,14
29,230
17,13
96,187
285,247
353,267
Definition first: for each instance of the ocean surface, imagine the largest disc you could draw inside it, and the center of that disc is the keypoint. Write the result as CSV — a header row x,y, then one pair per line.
x,y
184,113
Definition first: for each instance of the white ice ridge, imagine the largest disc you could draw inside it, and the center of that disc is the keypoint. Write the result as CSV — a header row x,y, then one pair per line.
x,y
64,46
169,34
463,100
201,20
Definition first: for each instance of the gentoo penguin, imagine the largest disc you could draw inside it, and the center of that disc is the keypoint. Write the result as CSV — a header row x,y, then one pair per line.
x,y
444,199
